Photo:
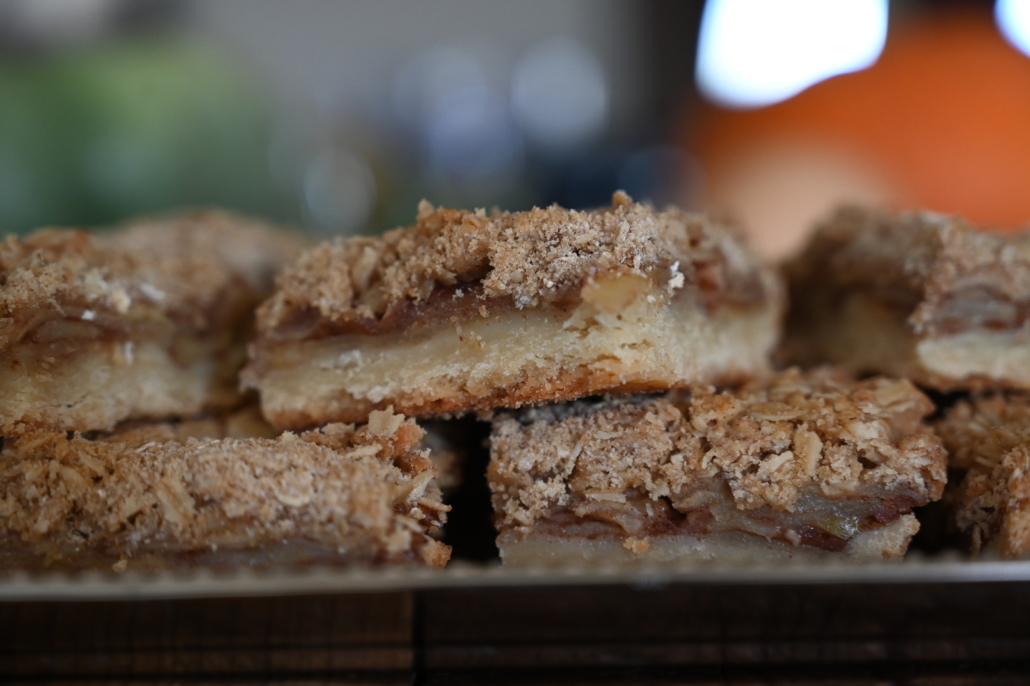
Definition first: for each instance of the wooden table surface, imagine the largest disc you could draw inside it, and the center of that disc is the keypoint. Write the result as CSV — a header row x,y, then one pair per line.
x,y
945,633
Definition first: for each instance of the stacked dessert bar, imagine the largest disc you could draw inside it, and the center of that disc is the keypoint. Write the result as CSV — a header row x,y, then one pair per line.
x,y
622,356
927,297
125,438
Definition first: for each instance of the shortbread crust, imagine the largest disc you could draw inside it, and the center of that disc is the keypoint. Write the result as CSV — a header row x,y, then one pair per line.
x,y
465,311
541,550
795,466
148,321
178,495
988,441
914,294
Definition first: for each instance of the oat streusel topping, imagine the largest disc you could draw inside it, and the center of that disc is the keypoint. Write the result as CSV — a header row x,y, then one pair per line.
x,y
770,443
977,433
528,258
989,438
364,491
184,267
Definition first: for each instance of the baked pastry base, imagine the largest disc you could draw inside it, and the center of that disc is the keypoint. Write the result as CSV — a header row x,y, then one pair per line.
x,y
543,550
101,383
515,358
872,336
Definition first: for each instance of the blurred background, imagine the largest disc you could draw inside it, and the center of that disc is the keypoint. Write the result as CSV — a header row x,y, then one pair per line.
x,y
340,116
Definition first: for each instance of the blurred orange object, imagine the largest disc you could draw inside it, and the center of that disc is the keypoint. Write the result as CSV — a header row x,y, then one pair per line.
x,y
941,121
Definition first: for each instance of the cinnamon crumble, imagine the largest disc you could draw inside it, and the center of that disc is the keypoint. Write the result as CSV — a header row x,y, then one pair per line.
x,y
988,440
167,496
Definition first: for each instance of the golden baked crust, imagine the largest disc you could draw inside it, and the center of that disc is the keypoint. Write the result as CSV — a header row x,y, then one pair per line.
x,y
989,440
927,284
167,498
809,459
520,260
69,300
465,311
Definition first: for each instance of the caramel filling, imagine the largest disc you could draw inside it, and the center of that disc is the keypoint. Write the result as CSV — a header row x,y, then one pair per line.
x,y
462,302
823,523
93,371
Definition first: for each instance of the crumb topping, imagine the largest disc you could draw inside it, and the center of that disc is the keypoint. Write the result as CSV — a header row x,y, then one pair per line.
x,y
993,504
989,437
978,433
186,267
773,444
948,275
365,491
526,258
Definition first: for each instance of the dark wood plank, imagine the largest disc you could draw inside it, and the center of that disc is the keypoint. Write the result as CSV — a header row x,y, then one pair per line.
x,y
232,636
726,625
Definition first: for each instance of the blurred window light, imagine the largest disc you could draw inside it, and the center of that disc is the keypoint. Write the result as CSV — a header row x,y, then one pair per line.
x,y
753,53
1013,18
447,99
57,21
432,77
470,134
339,193
560,93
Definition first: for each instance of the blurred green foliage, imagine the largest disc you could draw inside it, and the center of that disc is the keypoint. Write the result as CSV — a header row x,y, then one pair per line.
x,y
90,137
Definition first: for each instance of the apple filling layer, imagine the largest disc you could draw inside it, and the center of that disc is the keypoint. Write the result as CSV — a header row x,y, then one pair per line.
x,y
160,496
806,466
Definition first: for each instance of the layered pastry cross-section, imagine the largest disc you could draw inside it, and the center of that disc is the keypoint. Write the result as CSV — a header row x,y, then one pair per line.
x,y
796,466
988,442
206,493
468,310
916,295
147,321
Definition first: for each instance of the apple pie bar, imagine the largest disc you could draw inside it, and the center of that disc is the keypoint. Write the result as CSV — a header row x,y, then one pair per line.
x,y
802,467
919,295
148,321
466,311
184,494
988,441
